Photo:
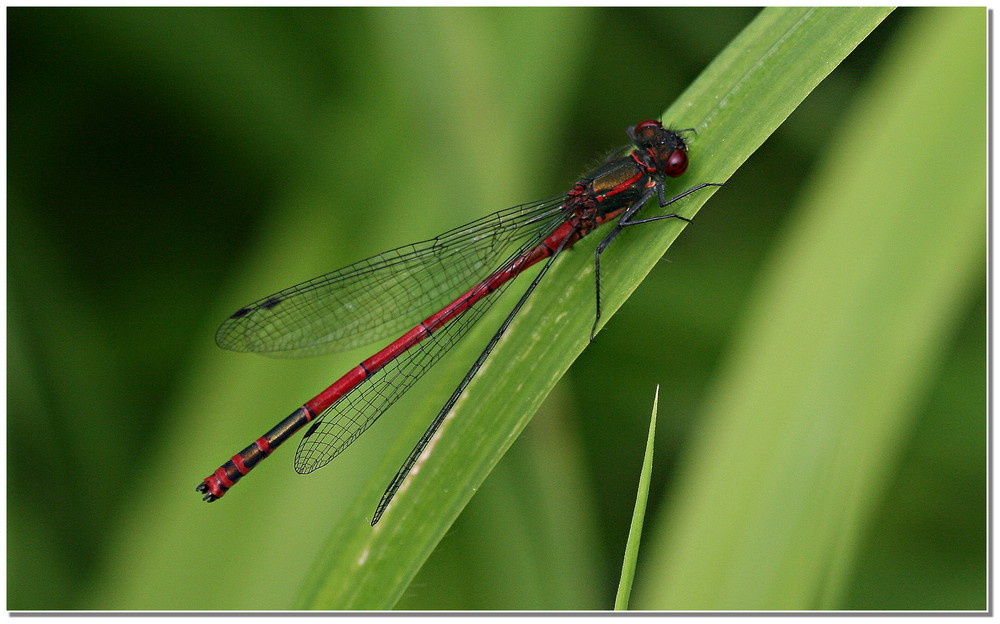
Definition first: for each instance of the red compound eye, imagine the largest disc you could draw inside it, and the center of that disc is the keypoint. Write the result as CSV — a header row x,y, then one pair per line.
x,y
648,123
645,134
677,163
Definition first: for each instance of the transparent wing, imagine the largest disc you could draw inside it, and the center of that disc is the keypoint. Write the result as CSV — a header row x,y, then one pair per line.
x,y
387,293
344,421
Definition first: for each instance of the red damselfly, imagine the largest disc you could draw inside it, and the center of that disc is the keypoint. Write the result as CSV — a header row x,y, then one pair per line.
x,y
446,281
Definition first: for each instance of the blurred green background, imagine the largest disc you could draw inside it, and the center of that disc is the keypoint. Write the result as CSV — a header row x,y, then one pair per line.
x,y
166,166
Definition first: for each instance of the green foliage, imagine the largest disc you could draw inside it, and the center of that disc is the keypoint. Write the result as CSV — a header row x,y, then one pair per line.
x,y
168,165
552,328
638,516
851,319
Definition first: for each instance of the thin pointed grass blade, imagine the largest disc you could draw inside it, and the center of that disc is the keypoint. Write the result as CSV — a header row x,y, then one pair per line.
x,y
734,105
856,309
638,515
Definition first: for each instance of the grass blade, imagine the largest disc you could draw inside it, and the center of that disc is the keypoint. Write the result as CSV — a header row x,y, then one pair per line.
x,y
736,103
638,515
818,398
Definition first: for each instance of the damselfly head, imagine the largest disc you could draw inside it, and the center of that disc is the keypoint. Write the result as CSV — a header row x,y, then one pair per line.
x,y
666,147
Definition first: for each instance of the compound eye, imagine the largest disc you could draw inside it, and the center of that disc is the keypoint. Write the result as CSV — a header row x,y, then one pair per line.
x,y
645,133
677,163
648,123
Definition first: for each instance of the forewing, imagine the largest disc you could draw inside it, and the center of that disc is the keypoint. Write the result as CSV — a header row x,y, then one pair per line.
x,y
385,294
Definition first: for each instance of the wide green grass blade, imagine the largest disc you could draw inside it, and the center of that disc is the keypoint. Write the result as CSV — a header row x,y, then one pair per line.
x,y
638,515
736,103
851,320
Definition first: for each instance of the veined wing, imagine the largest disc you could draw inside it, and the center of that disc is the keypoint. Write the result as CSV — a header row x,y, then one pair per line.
x,y
344,421
387,293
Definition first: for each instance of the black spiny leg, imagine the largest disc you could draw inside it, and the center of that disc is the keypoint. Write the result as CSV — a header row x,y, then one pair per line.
x,y
625,221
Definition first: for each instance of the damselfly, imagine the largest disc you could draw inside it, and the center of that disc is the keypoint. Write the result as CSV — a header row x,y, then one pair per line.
x,y
449,282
